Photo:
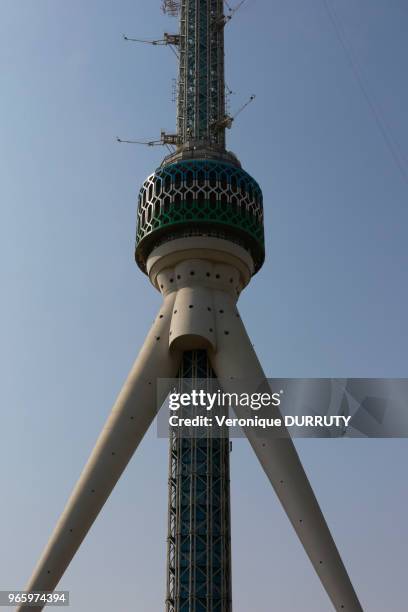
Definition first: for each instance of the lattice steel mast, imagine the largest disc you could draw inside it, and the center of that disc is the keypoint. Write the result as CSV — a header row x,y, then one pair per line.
x,y
201,98
199,530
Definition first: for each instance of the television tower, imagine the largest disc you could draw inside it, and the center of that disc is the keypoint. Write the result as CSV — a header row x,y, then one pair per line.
x,y
200,239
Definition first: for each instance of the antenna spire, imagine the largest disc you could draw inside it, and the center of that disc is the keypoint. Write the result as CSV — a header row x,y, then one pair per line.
x,y
200,92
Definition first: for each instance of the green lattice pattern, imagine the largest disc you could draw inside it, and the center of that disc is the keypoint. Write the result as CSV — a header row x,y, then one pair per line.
x,y
213,198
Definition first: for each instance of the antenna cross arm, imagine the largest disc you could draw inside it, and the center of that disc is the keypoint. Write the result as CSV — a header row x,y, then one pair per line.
x,y
222,20
148,143
171,39
169,139
227,121
224,123
171,7
165,139
168,39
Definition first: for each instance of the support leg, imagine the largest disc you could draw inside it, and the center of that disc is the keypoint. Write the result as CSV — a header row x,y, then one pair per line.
x,y
128,422
235,358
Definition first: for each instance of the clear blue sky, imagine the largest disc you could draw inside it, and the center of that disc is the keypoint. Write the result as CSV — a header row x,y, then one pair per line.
x,y
331,300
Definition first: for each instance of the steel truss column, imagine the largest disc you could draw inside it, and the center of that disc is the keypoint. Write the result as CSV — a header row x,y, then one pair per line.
x,y
201,96
199,532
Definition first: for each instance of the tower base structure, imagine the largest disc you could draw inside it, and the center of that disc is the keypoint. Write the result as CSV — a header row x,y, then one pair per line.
x,y
200,279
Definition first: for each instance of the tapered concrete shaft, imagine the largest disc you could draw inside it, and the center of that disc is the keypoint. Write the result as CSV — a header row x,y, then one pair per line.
x,y
128,422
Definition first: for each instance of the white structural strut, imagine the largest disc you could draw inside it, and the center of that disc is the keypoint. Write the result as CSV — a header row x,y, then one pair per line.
x,y
128,422
236,364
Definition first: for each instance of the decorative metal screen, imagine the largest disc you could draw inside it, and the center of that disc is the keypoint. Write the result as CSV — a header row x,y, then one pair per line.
x,y
211,196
